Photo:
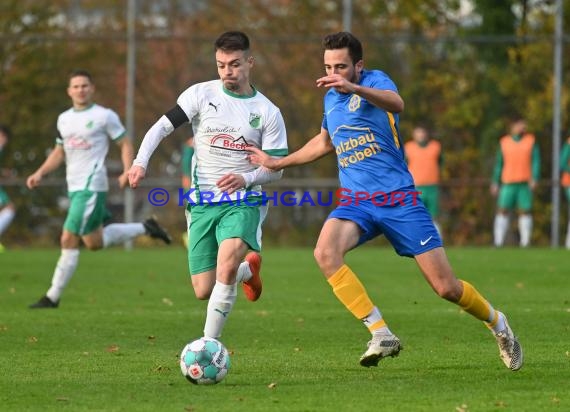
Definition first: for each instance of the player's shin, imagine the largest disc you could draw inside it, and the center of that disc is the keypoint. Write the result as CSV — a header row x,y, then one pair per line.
x,y
476,305
350,291
64,270
118,233
220,305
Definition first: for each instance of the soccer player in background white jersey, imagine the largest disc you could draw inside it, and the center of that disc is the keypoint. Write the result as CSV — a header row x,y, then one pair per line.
x,y
82,143
227,115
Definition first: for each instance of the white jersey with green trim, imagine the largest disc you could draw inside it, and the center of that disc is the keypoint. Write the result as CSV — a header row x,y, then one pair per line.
x,y
224,123
85,136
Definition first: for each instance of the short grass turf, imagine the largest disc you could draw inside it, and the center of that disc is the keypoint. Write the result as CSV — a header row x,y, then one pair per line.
x,y
113,343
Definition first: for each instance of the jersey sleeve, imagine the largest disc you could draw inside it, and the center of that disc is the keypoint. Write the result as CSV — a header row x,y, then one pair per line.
x,y
274,139
58,138
324,123
382,81
114,128
188,102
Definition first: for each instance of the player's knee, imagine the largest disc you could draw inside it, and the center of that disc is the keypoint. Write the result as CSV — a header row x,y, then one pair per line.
x,y
202,294
448,292
94,246
326,257
322,255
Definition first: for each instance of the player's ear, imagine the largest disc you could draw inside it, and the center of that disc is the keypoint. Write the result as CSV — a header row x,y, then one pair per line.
x,y
251,61
359,66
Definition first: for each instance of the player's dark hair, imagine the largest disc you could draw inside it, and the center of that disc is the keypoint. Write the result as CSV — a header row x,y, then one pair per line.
x,y
344,40
232,41
5,130
516,118
80,73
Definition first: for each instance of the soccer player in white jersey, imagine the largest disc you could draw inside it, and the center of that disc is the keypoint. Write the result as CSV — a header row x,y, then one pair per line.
x,y
227,115
84,132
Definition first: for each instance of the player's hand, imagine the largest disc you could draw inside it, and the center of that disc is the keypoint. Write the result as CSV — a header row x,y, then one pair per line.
x,y
532,184
338,82
494,189
123,180
260,158
186,182
34,180
230,183
135,175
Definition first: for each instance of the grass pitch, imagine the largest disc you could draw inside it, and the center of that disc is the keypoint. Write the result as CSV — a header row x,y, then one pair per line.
x,y
113,344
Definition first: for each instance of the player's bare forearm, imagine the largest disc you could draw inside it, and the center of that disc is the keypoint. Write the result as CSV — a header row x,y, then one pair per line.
x,y
314,149
52,162
319,146
384,99
127,153
127,156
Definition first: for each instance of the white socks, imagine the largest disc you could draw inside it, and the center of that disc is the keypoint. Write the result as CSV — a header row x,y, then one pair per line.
x,y
500,229
63,272
6,216
568,237
118,233
500,325
244,272
220,305
525,229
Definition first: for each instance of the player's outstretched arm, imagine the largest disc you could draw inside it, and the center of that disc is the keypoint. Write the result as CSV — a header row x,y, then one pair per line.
x,y
127,156
158,131
52,162
384,99
314,149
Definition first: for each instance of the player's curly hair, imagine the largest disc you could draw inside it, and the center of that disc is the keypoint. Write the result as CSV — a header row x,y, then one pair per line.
x,y
342,40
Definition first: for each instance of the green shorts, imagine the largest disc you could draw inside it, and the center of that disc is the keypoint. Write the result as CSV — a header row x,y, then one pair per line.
x,y
430,198
4,199
211,224
515,195
86,212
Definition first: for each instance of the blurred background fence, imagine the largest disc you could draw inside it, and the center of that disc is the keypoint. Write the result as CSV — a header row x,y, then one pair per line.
x,y
463,67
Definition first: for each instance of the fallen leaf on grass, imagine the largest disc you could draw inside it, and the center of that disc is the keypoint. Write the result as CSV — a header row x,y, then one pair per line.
x,y
32,339
272,385
462,408
112,348
62,399
167,301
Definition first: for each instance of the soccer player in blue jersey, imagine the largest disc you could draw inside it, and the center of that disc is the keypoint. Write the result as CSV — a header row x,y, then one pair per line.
x,y
360,124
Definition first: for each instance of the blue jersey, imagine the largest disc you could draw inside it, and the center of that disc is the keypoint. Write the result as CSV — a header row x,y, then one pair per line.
x,y
366,139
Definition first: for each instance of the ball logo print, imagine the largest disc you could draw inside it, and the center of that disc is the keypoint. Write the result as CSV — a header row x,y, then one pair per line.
x,y
205,361
195,371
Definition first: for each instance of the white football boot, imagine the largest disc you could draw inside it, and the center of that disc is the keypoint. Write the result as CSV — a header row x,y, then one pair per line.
x,y
381,346
509,348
